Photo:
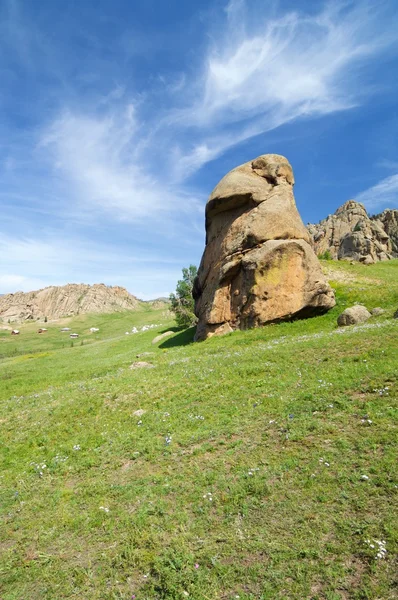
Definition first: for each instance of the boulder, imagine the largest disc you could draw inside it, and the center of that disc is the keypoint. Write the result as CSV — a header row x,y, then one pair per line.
x,y
258,265
141,365
395,316
376,312
354,315
368,260
161,337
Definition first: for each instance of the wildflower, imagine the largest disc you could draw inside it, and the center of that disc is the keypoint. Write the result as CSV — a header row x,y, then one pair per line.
x,y
76,447
252,471
104,508
380,546
364,477
196,565
168,439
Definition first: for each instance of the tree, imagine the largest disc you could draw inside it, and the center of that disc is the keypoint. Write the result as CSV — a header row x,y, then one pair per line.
x,y
182,302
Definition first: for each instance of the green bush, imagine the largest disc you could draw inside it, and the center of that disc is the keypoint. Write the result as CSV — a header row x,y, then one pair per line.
x,y
325,255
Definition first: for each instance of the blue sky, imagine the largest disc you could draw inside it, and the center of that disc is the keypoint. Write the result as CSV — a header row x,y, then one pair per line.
x,y
117,119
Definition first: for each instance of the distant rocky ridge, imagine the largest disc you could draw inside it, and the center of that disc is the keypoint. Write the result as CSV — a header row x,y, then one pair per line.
x,y
72,299
350,233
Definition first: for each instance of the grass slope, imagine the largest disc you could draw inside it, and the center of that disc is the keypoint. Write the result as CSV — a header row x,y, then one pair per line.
x,y
243,478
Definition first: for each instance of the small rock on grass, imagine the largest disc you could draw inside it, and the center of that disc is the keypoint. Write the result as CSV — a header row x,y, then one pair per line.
x,y
139,412
160,337
142,365
352,316
375,312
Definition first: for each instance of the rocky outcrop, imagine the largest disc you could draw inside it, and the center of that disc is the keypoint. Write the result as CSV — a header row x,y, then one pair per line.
x,y
388,219
258,265
72,299
351,234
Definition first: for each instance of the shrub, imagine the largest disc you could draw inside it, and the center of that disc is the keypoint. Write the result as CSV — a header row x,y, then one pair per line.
x,y
325,255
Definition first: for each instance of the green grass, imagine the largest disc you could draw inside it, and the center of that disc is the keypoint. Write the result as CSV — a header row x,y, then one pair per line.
x,y
258,494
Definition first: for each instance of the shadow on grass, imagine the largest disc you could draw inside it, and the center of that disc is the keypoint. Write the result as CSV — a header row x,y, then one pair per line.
x,y
183,338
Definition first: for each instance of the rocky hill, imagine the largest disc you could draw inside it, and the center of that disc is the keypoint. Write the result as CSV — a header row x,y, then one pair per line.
x,y
350,233
72,299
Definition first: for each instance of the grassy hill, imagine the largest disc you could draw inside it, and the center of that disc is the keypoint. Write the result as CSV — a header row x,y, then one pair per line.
x,y
260,465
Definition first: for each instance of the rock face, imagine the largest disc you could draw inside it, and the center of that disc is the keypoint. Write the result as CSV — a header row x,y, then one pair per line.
x,y
72,299
389,221
351,234
352,316
258,265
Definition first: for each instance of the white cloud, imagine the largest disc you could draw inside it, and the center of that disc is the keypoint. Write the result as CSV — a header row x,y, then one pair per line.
x,y
264,71
105,161
382,195
58,260
9,284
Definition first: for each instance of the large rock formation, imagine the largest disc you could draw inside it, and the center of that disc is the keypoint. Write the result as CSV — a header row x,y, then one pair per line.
x,y
258,265
72,299
389,221
351,234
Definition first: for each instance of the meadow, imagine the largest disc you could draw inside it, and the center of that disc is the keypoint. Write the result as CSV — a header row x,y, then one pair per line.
x,y
260,465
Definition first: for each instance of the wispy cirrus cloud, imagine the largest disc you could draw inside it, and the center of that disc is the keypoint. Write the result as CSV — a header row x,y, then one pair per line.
x,y
257,73
264,71
98,156
383,194
101,162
